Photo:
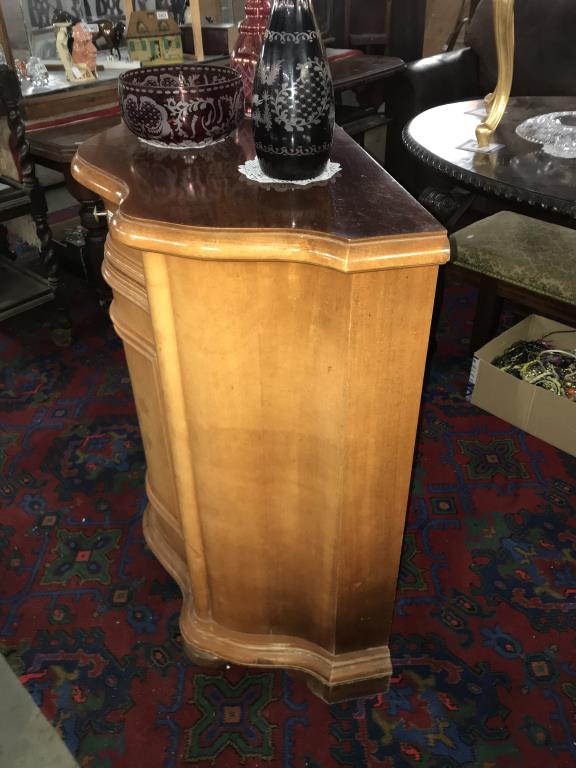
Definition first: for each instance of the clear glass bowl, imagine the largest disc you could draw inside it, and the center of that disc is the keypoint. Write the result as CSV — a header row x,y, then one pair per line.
x,y
556,131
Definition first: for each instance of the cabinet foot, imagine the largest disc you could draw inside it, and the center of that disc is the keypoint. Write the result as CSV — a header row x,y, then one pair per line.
x,y
203,659
333,694
299,658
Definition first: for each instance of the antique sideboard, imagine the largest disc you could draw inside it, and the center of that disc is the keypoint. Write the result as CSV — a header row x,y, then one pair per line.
x,y
276,342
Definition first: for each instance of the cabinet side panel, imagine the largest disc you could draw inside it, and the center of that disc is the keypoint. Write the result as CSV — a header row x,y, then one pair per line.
x,y
390,324
263,350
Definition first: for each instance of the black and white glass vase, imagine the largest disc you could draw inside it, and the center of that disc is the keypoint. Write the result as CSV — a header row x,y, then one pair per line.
x,y
293,101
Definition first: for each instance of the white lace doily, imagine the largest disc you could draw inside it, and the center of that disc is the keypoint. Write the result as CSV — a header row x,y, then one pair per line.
x,y
251,169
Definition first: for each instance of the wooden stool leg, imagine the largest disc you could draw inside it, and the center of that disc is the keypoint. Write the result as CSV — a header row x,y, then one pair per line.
x,y
487,314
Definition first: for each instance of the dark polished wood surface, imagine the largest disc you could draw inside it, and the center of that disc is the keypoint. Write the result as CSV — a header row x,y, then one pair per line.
x,y
520,171
45,107
59,144
204,189
355,70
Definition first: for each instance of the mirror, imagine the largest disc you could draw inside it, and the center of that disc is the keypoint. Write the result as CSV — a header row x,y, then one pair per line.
x,y
29,22
16,29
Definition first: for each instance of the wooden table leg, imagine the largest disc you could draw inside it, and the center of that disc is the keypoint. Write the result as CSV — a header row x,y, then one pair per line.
x,y
94,220
61,324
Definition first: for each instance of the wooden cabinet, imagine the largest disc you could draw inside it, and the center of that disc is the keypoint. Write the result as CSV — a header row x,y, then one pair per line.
x,y
276,343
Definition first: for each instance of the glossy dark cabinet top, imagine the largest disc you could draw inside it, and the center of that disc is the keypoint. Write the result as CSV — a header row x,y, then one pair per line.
x,y
205,189
520,171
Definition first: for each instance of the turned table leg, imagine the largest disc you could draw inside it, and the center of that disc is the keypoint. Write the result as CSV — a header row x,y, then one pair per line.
x,y
20,146
62,325
94,219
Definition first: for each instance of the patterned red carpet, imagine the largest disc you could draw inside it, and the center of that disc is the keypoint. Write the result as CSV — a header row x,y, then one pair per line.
x,y
483,645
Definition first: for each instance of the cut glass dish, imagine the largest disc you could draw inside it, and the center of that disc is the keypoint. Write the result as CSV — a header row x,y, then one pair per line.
x,y
556,132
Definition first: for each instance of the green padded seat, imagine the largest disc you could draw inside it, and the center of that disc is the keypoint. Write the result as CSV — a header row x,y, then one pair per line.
x,y
522,251
528,261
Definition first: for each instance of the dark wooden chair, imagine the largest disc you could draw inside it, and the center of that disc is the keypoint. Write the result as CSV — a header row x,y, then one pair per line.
x,y
21,193
363,24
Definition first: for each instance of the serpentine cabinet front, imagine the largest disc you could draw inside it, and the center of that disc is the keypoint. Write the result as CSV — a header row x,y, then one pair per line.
x,y
276,343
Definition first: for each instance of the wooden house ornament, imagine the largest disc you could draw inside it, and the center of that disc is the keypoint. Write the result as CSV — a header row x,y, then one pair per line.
x,y
154,38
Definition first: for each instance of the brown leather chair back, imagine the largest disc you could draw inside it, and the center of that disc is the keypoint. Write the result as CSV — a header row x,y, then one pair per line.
x,y
545,58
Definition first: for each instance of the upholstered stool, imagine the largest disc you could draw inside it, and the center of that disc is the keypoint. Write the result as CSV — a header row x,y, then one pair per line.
x,y
524,260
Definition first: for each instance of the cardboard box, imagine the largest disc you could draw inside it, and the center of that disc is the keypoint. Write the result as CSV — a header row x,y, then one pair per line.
x,y
540,413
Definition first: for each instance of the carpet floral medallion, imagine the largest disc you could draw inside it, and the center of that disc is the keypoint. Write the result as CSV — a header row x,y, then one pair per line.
x,y
483,643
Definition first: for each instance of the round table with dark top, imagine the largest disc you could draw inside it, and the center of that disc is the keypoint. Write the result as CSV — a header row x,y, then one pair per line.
x,y
520,171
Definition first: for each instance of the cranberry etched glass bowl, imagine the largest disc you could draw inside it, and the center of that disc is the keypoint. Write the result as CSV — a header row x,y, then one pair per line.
x,y
181,105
